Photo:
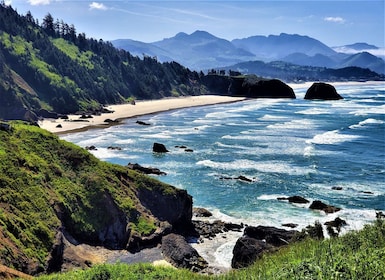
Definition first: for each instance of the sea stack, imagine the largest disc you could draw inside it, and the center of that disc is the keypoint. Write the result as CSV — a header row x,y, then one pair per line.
x,y
322,91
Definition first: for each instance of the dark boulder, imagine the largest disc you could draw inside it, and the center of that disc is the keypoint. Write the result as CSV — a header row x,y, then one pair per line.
x,y
267,89
159,148
319,205
247,250
142,123
272,235
145,170
290,225
91,148
178,252
322,91
298,199
201,212
337,223
210,230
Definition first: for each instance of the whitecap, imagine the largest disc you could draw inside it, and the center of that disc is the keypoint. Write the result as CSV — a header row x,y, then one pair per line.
x,y
271,196
366,122
331,137
314,111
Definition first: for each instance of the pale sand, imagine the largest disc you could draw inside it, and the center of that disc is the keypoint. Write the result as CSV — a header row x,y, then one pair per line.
x,y
124,111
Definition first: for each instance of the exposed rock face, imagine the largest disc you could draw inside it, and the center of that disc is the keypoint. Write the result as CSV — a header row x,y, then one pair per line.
x,y
248,86
256,241
159,148
319,205
181,254
201,212
247,250
174,208
322,91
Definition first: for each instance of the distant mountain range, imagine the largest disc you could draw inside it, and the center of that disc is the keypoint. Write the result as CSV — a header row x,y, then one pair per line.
x,y
202,51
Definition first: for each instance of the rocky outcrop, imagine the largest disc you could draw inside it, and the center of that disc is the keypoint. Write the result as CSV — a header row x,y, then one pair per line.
x,y
295,199
322,91
209,230
319,205
178,252
145,170
159,148
247,86
247,250
257,240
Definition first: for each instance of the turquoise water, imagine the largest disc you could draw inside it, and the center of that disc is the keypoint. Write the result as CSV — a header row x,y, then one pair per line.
x,y
286,147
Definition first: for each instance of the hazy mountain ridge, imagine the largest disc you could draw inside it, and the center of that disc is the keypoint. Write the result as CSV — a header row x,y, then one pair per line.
x,y
202,50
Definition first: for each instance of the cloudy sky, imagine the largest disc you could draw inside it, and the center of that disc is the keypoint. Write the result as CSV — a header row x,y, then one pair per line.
x,y
334,23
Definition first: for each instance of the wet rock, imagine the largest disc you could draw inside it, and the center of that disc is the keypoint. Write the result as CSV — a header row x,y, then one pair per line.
x,y
319,205
142,123
114,148
201,212
295,199
91,148
145,170
290,225
159,148
178,252
337,188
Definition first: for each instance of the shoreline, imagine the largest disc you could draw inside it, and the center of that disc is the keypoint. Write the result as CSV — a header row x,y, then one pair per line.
x,y
127,111
147,107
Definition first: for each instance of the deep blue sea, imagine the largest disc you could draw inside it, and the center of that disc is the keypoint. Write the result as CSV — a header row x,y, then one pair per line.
x,y
287,147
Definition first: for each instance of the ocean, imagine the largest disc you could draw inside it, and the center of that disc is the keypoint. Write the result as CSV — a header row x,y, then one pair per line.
x,y
333,151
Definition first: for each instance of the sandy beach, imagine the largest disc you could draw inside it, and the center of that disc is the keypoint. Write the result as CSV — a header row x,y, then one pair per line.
x,y
125,111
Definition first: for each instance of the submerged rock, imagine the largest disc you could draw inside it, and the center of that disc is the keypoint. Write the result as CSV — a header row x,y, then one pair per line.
x,y
322,91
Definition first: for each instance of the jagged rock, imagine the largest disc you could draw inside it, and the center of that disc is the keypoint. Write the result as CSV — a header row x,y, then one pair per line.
x,y
145,170
257,240
319,205
59,126
91,148
189,150
337,188
247,250
201,212
178,252
274,236
322,91
159,148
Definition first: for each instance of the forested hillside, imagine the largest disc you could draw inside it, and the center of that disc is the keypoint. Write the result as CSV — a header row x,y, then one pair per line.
x,y
51,66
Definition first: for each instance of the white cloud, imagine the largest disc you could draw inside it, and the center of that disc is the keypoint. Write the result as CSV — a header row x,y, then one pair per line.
x,y
39,2
98,6
8,2
335,19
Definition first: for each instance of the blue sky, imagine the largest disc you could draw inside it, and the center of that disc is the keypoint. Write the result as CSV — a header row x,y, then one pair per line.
x,y
334,23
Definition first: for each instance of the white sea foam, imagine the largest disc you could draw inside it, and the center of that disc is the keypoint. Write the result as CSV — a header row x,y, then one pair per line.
x,y
366,122
294,124
270,196
125,141
331,137
262,166
380,110
314,111
269,117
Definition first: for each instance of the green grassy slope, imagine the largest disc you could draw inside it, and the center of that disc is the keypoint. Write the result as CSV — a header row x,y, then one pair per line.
x,y
47,184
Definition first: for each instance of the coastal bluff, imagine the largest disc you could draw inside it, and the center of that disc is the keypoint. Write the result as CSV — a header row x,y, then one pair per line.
x,y
55,193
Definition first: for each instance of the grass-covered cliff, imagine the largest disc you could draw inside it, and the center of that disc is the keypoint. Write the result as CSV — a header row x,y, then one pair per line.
x,y
52,191
51,66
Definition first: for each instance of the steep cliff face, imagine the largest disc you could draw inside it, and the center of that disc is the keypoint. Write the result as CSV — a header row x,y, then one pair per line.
x,y
53,192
